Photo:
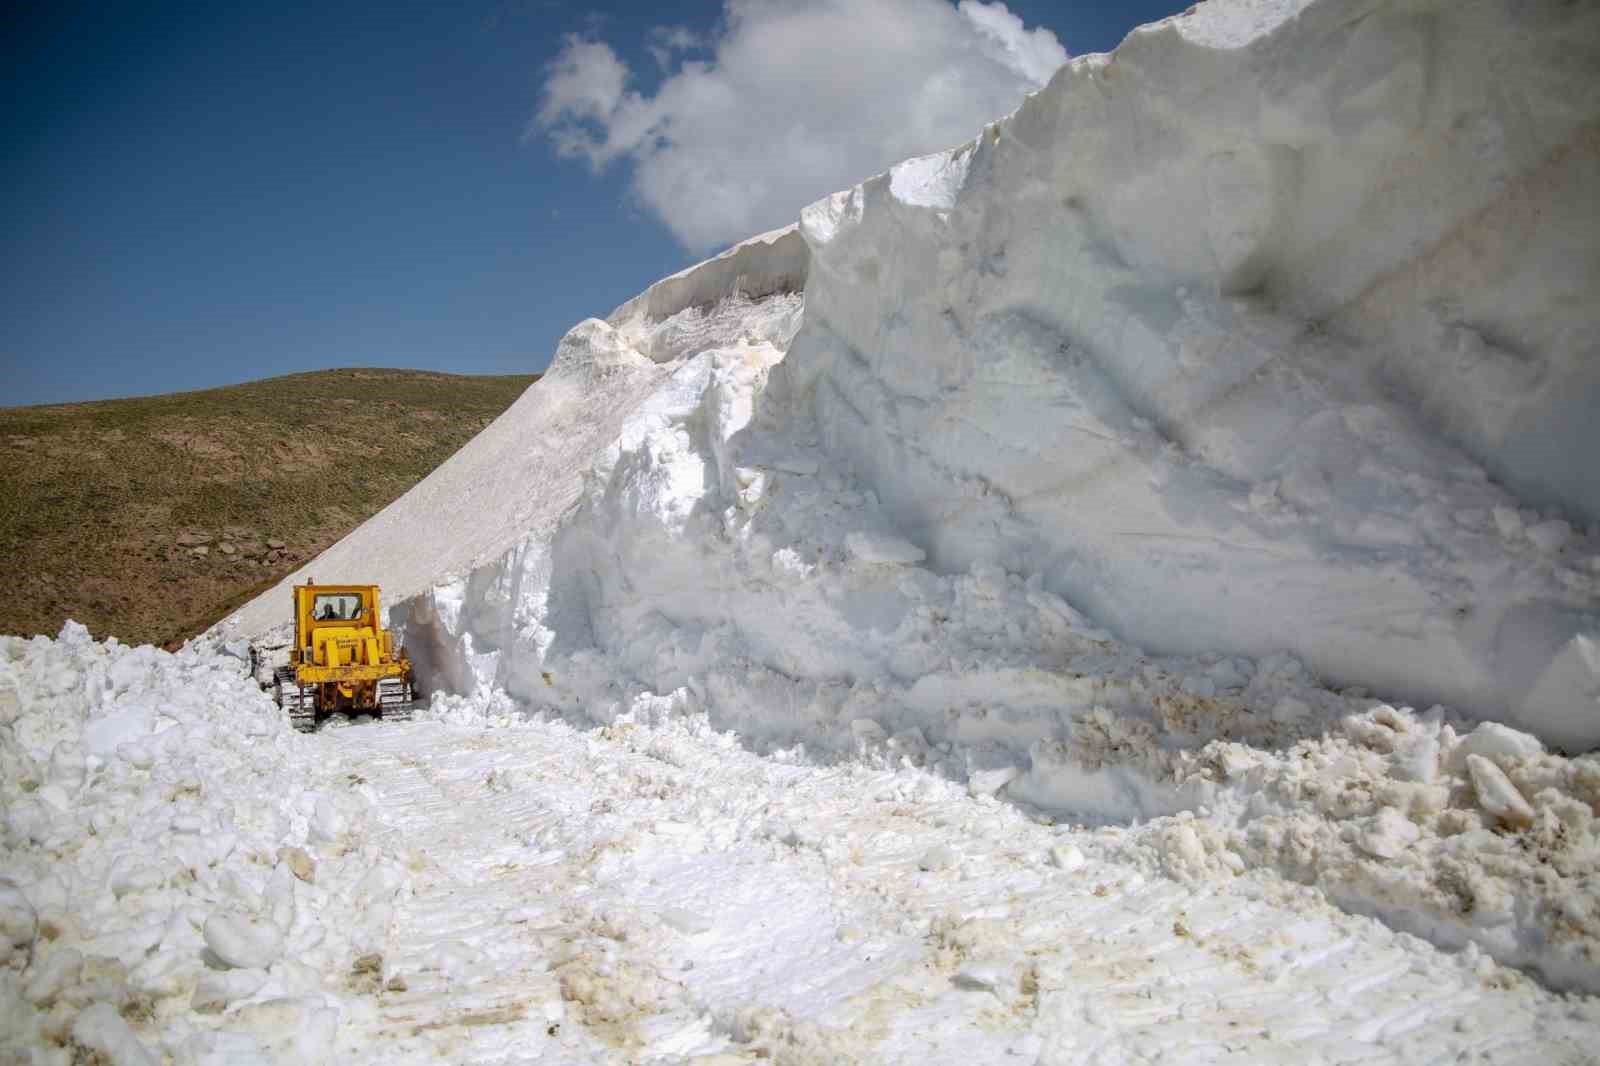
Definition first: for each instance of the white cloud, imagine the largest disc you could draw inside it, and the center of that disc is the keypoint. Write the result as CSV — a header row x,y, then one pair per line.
x,y
1036,54
797,100
584,85
665,41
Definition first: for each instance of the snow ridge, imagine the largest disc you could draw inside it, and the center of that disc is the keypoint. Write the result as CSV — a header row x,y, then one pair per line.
x,y
520,475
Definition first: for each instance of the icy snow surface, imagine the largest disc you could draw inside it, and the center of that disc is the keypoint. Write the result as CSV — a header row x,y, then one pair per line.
x,y
1126,585
482,886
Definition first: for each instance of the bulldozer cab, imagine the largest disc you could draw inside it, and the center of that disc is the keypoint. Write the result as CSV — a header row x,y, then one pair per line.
x,y
331,621
345,605
336,607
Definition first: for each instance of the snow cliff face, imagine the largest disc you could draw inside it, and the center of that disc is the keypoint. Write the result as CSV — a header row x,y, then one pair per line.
x,y
1265,341
1259,351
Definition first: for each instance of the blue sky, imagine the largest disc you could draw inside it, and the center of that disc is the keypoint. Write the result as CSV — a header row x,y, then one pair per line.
x,y
199,194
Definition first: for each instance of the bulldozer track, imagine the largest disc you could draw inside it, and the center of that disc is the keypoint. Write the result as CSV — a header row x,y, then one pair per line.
x,y
299,701
400,712
397,702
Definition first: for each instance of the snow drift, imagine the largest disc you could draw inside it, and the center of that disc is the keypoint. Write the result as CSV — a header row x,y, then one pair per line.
x,y
1257,352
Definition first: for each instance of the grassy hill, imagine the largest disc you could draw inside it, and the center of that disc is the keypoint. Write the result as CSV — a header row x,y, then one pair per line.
x,y
150,518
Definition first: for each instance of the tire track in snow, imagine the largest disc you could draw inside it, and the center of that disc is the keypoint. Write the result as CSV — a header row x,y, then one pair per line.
x,y
1103,964
639,894
468,943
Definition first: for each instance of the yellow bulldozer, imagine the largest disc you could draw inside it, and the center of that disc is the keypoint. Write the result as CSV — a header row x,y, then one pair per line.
x,y
342,660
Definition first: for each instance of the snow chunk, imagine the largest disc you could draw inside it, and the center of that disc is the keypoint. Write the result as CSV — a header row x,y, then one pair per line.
x,y
1067,857
128,725
1508,522
988,782
101,1030
327,823
51,975
1387,834
305,1028
883,548
1497,795
218,988
1493,740
241,941
19,924
1417,758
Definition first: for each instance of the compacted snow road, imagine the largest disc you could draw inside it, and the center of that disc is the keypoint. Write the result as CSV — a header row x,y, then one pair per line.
x,y
657,893
185,880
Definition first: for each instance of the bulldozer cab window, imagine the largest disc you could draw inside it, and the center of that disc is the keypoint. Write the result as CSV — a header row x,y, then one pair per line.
x,y
336,607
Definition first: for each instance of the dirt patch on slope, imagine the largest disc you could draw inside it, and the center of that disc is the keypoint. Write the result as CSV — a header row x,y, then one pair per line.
x,y
150,518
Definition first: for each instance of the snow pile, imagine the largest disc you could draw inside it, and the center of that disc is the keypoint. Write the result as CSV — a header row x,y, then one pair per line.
x,y
1480,838
178,876
1113,462
1271,331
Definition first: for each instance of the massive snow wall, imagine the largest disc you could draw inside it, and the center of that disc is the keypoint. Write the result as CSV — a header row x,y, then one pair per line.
x,y
1275,329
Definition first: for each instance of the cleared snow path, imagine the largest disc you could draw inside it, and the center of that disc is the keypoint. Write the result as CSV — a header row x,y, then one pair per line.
x,y
185,880
657,893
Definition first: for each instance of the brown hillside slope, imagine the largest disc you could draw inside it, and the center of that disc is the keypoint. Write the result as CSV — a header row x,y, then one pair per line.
x,y
150,518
